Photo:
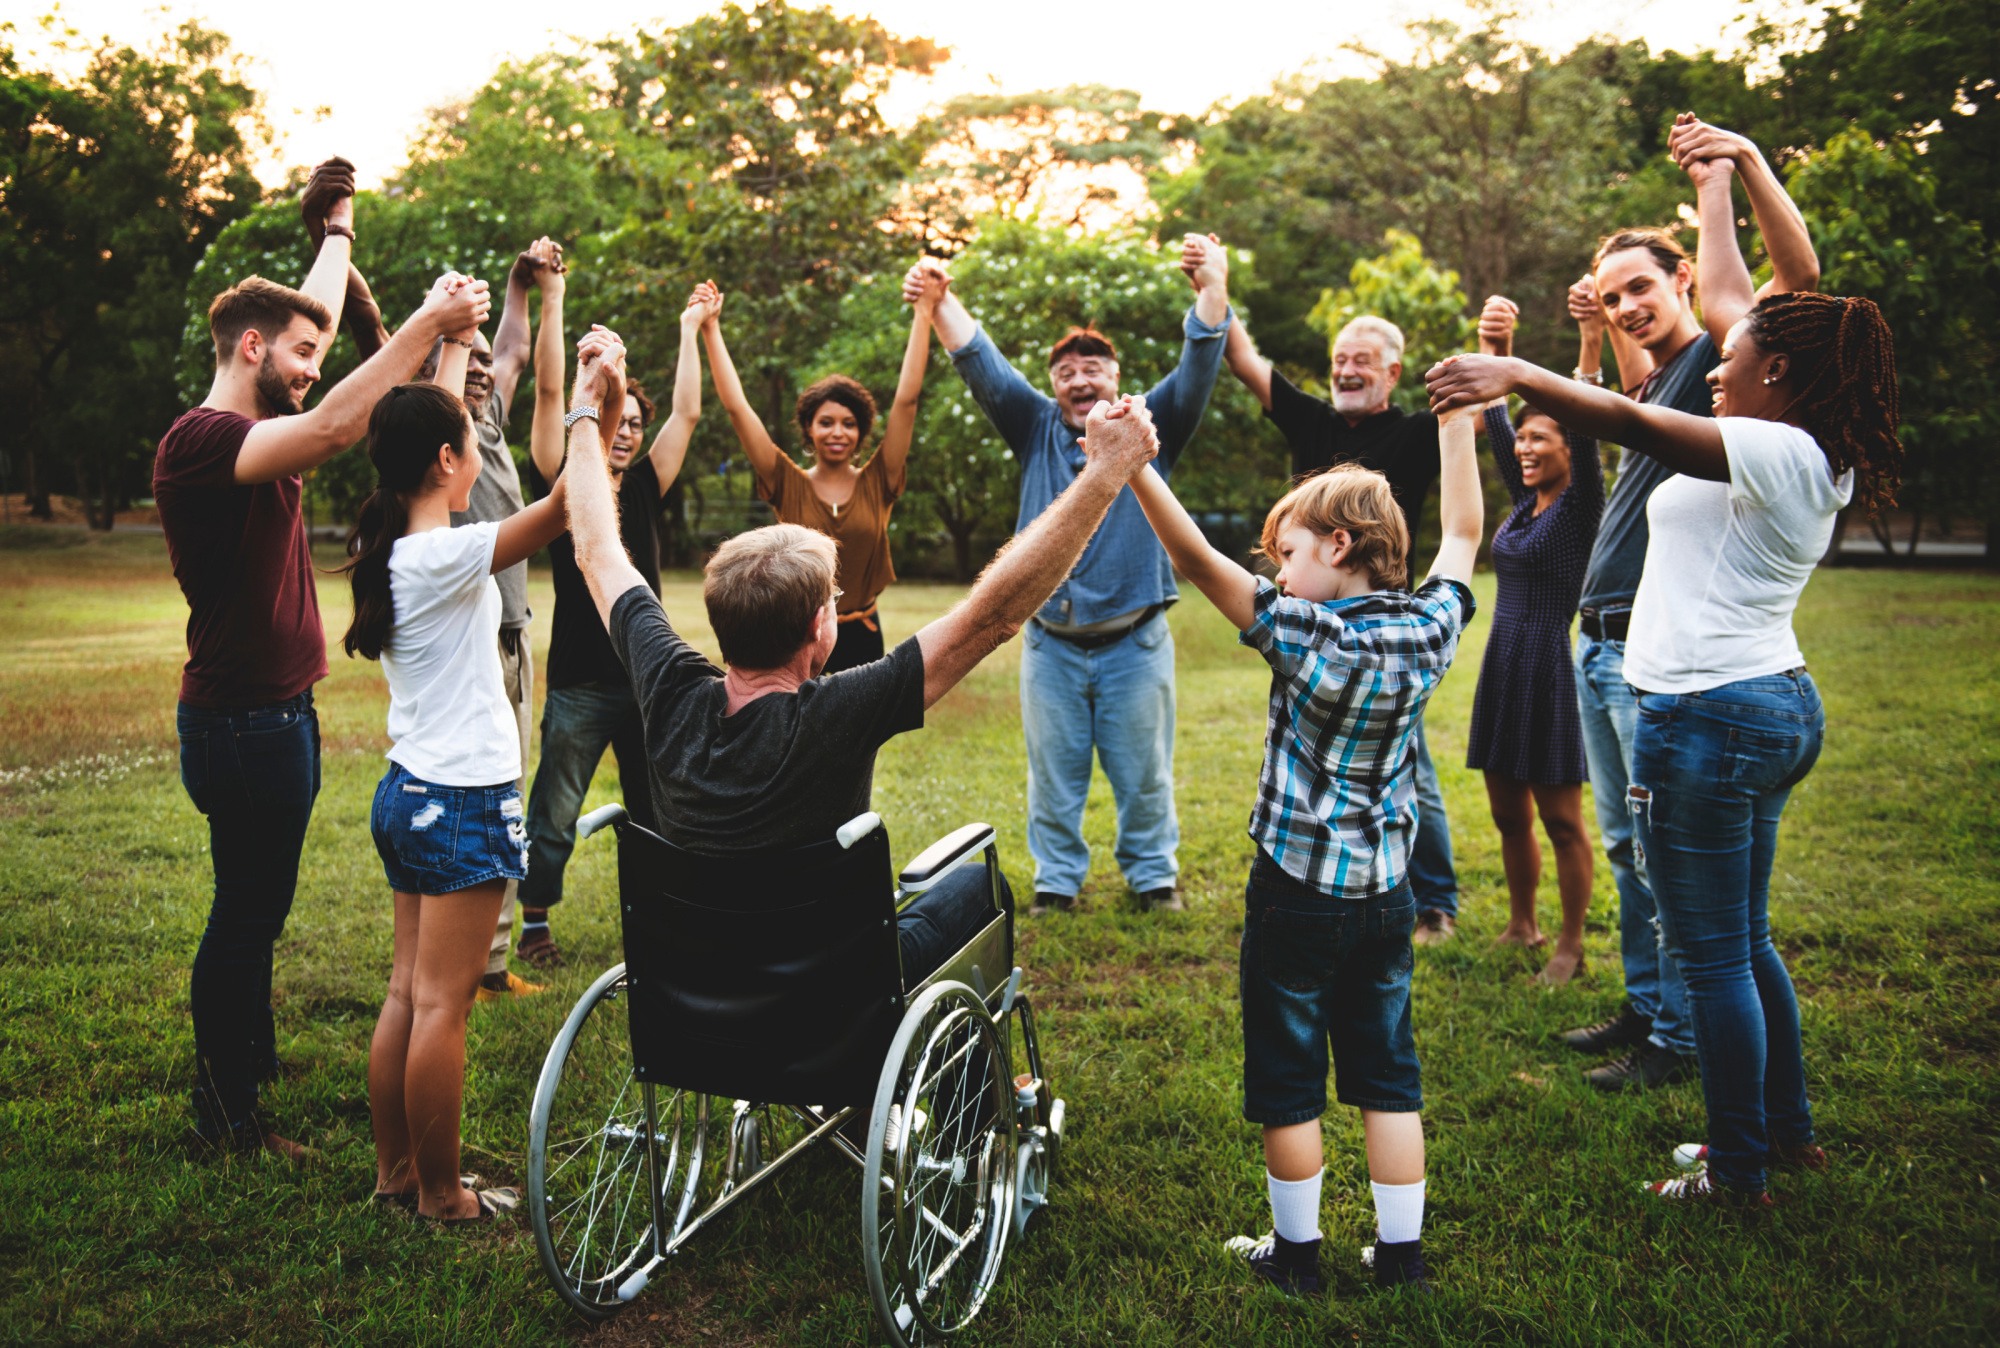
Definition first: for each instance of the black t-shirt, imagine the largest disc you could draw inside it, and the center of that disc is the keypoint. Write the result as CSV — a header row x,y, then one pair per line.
x,y
1401,446
784,771
579,651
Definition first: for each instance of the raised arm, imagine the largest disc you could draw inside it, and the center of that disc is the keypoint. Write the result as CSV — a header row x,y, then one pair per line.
x,y
1500,436
363,315
1461,504
545,431
1247,363
758,446
1794,263
329,200
531,528
278,447
1178,400
902,420
1686,444
1228,584
1118,441
670,446
593,506
1010,403
1722,276
954,323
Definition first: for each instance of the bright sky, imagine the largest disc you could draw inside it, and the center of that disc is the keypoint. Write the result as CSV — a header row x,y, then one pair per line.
x,y
375,66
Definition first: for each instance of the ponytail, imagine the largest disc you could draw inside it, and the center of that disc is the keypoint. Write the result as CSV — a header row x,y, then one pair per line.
x,y
404,432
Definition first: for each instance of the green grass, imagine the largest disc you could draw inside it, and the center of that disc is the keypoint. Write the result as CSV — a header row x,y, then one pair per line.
x,y
1886,901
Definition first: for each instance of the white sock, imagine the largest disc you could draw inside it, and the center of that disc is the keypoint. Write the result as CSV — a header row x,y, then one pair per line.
x,y
1399,1212
1295,1206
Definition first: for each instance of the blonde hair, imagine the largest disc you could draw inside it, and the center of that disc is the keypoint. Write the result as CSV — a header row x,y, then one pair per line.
x,y
1348,496
763,590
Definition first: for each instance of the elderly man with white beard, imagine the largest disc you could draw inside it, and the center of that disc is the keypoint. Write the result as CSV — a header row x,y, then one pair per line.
x,y
1360,426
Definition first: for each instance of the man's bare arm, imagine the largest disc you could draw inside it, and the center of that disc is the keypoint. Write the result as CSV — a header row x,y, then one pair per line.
x,y
1119,440
545,431
593,506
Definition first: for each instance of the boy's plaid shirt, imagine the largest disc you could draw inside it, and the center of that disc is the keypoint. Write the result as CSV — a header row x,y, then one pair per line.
x,y
1337,800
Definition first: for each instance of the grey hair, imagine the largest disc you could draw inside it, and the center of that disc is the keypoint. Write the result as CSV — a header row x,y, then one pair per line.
x,y
1381,329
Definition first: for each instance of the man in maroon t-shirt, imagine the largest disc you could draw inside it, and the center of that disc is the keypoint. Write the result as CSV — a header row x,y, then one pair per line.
x,y
228,477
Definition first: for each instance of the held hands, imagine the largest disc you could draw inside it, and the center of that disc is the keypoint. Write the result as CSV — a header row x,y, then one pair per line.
x,y
1469,382
457,305
328,198
1496,325
1586,308
1120,436
1204,260
540,263
926,283
600,377
704,304
1707,153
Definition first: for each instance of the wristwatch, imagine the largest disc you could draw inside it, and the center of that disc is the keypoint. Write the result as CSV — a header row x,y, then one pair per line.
x,y
571,418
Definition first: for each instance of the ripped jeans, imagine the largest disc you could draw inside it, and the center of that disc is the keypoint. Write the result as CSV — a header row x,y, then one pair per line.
x,y
1711,772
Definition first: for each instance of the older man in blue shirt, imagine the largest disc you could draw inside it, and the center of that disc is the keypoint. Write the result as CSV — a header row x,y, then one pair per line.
x,y
1097,663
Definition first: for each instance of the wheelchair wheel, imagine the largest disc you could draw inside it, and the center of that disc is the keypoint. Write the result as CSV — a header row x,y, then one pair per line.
x,y
937,1192
596,1163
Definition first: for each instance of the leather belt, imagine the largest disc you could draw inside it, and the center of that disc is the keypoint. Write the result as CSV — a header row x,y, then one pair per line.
x,y
1605,625
1092,641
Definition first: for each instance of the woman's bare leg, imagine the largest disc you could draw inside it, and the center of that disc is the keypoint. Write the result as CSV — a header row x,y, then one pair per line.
x,y
388,1060
1561,808
456,934
1513,808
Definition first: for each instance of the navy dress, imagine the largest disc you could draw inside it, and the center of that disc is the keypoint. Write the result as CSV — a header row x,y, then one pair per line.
x,y
1524,717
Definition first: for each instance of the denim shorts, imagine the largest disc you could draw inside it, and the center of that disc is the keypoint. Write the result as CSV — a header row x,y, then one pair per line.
x,y
1321,973
437,839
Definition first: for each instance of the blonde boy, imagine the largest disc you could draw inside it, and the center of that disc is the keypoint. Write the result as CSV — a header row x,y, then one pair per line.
x,y
1354,655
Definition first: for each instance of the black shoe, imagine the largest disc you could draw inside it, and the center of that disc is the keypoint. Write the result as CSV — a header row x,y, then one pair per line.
x,y
1052,903
1291,1266
1642,1069
1627,1029
1163,900
1399,1265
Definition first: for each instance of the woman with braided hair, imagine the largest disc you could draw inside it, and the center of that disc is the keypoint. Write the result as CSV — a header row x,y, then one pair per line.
x,y
1729,720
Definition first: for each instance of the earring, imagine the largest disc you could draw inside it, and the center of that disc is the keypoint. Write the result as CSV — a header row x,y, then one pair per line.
x,y
1769,380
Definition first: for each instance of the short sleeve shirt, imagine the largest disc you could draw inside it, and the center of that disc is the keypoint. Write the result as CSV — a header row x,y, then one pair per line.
x,y
1337,801
496,495
1401,446
450,721
239,552
580,651
861,526
1727,561
784,771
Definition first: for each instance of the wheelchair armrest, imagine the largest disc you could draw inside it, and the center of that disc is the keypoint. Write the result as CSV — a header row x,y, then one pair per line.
x,y
605,816
934,862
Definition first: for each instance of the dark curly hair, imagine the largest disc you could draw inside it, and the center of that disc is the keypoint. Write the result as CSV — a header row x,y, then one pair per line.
x,y
1843,364
836,388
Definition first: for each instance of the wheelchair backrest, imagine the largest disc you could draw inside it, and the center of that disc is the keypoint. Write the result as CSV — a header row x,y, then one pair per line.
x,y
770,976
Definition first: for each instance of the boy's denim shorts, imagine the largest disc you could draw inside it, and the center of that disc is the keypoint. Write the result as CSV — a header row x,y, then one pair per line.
x,y
437,839
1320,973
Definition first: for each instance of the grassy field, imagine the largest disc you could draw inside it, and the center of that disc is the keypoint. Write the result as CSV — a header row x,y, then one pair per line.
x,y
1886,901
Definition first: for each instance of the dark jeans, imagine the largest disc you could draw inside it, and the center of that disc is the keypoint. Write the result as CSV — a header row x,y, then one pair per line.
x,y
254,771
577,723
1433,878
855,645
936,924
1711,772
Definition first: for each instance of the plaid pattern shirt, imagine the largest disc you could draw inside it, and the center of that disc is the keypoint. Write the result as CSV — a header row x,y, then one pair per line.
x,y
1337,800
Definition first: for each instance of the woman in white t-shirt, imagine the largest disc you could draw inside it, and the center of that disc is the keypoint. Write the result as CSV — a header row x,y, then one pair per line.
x,y
1729,720
447,817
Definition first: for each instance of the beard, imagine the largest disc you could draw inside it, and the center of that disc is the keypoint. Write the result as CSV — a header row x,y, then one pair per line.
x,y
274,391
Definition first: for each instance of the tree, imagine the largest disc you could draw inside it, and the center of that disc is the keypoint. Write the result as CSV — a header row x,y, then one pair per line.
x,y
1402,286
1027,283
111,186
1881,232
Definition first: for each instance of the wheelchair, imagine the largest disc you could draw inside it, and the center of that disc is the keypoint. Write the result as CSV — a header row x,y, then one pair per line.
x,y
752,984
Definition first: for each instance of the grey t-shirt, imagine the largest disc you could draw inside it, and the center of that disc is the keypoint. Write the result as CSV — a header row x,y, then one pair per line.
x,y
784,771
1619,554
495,496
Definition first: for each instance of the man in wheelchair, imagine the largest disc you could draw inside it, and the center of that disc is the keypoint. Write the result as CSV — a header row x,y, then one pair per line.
x,y
767,754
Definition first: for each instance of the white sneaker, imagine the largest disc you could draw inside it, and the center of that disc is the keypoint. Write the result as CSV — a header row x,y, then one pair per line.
x,y
1691,1155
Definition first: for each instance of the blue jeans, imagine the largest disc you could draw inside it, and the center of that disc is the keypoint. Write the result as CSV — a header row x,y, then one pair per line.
x,y
436,839
1119,700
1318,973
1433,878
577,724
254,771
937,923
1609,713
1711,772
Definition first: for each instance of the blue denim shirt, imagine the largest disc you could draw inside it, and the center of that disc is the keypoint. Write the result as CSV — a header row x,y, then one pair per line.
x,y
1123,567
